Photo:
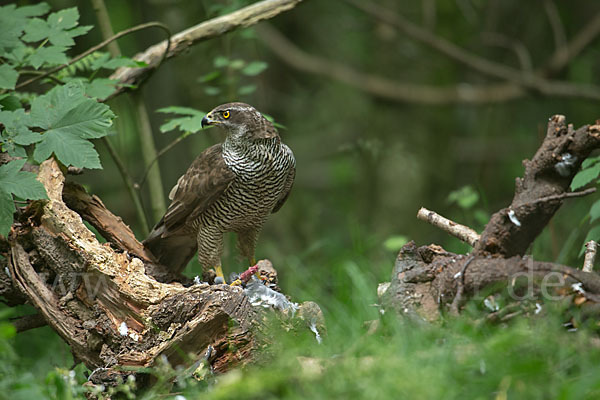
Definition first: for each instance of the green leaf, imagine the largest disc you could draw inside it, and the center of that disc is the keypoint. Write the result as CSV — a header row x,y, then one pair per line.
x,y
20,183
100,88
64,19
254,68
595,211
395,243
13,21
212,90
120,62
51,55
57,28
180,110
589,162
9,102
191,123
275,123
209,77
585,176
69,149
237,64
247,89
465,197
16,127
68,118
7,208
220,62
8,77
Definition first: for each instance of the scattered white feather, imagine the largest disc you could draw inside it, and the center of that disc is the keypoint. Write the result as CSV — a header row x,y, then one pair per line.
x,y
457,275
134,335
491,304
179,397
7,272
578,287
123,329
564,166
538,308
513,218
313,327
197,280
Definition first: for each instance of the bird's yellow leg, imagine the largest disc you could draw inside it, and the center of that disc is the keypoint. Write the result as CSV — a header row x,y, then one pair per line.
x,y
219,271
252,264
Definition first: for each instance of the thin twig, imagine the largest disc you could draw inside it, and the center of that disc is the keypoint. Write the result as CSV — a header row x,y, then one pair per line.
x,y
461,287
590,256
168,147
520,50
135,196
212,28
459,231
38,73
382,87
28,322
96,48
558,30
524,79
561,196
561,57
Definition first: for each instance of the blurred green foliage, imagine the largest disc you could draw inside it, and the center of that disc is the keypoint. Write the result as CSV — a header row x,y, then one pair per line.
x,y
365,166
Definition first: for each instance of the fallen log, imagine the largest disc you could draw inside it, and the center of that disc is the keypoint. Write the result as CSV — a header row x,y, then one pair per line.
x,y
427,281
101,300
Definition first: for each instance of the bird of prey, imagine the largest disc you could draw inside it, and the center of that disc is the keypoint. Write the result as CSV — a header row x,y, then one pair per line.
x,y
231,187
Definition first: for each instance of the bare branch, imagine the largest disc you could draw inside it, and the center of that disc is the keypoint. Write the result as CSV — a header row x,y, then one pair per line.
x,y
28,322
382,87
181,41
98,47
459,231
590,256
539,193
521,78
574,47
560,196
520,50
558,30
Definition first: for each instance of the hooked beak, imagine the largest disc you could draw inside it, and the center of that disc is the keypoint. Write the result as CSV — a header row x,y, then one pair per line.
x,y
208,120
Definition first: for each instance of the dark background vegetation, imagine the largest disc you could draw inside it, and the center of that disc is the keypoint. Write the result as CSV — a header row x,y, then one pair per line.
x,y
365,164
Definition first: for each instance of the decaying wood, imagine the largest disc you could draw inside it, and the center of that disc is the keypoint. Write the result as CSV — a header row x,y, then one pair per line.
x,y
100,300
427,280
538,195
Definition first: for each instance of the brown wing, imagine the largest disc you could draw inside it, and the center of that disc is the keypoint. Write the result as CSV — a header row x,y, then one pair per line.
x,y
203,183
286,191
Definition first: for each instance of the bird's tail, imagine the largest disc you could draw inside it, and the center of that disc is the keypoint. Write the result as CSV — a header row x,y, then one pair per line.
x,y
171,249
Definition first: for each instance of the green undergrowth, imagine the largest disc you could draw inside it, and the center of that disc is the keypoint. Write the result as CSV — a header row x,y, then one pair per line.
x,y
364,354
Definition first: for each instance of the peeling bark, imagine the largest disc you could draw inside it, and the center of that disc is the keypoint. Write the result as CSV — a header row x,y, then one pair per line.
x,y
100,299
428,280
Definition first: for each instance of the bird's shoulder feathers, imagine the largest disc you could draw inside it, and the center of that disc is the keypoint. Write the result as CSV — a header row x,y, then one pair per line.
x,y
202,184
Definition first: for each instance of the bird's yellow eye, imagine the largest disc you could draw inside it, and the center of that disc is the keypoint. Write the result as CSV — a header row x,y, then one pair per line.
x,y
225,114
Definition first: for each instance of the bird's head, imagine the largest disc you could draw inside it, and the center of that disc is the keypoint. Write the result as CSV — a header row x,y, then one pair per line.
x,y
240,120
